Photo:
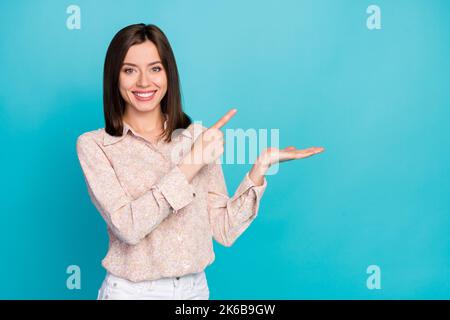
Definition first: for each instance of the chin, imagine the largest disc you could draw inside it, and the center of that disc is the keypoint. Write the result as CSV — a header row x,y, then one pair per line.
x,y
144,106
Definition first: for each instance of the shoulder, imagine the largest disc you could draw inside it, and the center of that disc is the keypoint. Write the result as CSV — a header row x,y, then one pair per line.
x,y
194,130
90,138
198,127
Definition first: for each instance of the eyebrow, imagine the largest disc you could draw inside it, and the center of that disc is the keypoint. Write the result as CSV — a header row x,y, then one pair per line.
x,y
132,64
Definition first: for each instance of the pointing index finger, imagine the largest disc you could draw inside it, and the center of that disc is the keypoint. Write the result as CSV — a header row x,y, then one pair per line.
x,y
222,121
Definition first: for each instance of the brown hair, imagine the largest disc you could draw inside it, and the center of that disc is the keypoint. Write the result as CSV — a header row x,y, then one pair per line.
x,y
114,104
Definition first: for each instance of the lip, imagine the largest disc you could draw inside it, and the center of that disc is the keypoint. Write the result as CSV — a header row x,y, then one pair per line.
x,y
143,92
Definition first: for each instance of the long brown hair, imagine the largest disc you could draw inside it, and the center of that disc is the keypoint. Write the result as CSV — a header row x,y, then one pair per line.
x,y
114,104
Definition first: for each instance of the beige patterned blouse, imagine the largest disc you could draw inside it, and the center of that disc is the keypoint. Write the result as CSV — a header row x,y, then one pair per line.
x,y
159,224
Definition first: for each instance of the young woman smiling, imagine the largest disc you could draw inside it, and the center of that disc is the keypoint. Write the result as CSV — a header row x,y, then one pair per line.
x,y
156,179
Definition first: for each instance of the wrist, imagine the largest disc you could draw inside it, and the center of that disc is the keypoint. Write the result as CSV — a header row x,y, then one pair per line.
x,y
256,174
189,168
260,167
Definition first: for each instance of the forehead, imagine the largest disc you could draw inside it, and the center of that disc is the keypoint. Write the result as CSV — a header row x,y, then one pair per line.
x,y
142,53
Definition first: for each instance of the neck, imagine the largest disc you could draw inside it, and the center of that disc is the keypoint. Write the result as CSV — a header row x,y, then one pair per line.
x,y
144,122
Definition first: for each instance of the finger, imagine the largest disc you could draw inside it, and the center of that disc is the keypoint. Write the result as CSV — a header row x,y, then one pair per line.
x,y
307,152
222,121
313,149
318,149
287,155
290,153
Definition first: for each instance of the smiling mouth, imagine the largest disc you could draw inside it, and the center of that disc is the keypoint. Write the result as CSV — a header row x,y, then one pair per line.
x,y
144,94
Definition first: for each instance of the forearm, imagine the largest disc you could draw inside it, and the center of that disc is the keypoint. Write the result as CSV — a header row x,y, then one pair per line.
x,y
189,170
257,173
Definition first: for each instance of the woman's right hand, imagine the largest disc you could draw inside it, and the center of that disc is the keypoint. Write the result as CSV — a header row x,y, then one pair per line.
x,y
207,148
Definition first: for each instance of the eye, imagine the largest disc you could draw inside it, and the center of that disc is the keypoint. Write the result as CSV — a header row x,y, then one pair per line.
x,y
128,70
157,69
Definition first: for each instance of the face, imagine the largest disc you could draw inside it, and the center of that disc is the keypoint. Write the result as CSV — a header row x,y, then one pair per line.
x,y
143,80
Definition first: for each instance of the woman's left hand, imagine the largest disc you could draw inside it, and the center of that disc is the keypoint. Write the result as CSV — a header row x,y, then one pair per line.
x,y
272,155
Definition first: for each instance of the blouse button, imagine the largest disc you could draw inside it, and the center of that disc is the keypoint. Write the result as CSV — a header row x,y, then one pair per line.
x,y
193,194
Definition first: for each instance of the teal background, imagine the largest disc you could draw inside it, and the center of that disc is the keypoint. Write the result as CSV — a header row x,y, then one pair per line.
x,y
376,100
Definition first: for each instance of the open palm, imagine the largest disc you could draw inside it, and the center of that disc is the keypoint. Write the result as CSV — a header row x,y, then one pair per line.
x,y
273,155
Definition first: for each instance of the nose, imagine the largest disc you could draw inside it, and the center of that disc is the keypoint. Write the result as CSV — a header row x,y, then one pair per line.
x,y
143,81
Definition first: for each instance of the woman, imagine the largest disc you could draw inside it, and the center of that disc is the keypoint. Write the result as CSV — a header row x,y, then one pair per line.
x,y
156,178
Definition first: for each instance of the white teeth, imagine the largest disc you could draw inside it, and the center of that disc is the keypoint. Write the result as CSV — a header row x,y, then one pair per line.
x,y
144,95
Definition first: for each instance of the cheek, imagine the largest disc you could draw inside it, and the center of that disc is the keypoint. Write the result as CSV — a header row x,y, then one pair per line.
x,y
161,81
126,83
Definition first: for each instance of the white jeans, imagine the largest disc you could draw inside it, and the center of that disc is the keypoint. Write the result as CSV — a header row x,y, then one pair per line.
x,y
188,287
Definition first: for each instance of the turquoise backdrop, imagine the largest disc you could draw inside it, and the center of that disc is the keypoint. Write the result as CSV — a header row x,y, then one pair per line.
x,y
377,100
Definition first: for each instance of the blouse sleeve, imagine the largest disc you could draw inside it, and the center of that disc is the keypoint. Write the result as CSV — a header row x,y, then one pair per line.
x,y
230,217
130,219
